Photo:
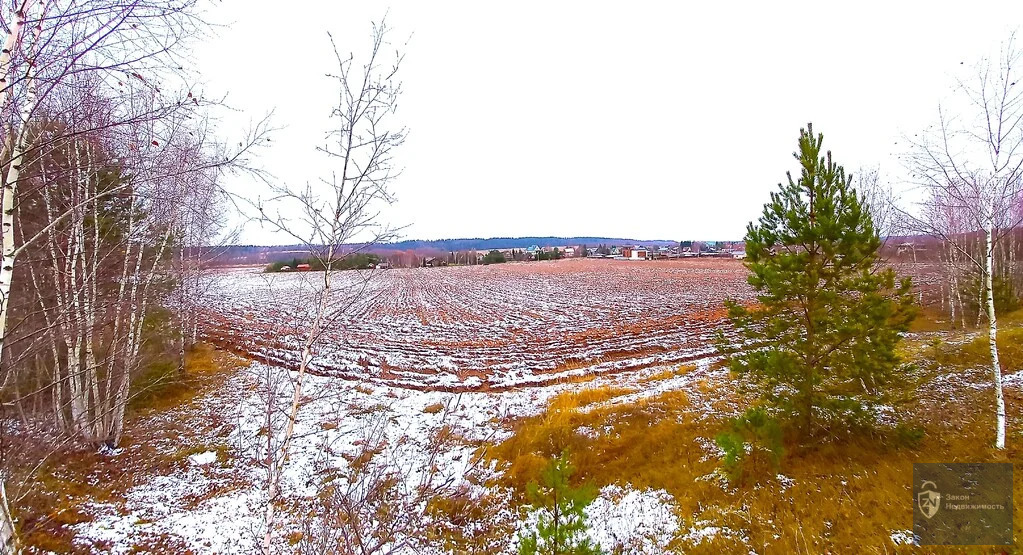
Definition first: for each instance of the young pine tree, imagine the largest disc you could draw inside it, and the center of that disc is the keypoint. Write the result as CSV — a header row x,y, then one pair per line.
x,y
561,520
820,342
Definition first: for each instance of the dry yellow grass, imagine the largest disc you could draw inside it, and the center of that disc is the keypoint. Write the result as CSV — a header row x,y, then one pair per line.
x,y
668,373
569,400
434,408
163,387
843,497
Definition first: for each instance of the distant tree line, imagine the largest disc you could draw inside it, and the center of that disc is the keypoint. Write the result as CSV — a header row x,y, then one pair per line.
x,y
358,261
503,243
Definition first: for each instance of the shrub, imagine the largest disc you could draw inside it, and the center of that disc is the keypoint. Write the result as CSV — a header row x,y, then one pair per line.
x,y
908,435
356,261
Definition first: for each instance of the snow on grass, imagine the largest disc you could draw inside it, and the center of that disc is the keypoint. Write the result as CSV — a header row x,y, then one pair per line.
x,y
1013,380
786,482
207,457
214,505
201,502
702,370
902,537
632,521
622,520
704,530
176,505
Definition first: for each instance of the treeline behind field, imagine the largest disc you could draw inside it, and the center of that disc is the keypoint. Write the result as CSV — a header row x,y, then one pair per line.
x,y
360,261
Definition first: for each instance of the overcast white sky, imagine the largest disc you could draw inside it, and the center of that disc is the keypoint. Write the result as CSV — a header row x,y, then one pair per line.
x,y
647,120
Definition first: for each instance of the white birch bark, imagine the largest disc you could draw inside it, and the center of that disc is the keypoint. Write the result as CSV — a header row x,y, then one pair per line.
x,y
137,319
973,162
90,292
8,534
276,458
10,42
119,305
10,192
996,369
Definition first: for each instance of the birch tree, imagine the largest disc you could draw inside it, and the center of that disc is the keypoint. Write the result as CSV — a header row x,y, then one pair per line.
x,y
328,216
972,163
60,55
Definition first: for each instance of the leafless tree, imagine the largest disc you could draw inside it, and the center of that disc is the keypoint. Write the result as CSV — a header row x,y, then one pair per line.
x,y
87,88
972,164
335,212
879,197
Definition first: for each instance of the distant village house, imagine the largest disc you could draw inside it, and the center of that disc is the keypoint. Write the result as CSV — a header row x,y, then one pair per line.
x,y
635,253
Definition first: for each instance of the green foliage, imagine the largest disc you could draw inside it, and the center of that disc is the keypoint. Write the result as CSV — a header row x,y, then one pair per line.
x,y
494,257
358,261
820,343
752,444
561,520
555,254
158,374
908,435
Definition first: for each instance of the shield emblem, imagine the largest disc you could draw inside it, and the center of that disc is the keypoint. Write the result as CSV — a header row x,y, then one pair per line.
x,y
929,502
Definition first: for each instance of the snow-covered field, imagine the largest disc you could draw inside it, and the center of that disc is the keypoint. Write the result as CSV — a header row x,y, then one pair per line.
x,y
482,327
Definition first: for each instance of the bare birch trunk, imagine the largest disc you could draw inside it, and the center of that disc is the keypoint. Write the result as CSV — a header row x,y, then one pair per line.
x,y
135,341
13,36
8,534
182,309
118,318
993,340
955,299
10,192
278,458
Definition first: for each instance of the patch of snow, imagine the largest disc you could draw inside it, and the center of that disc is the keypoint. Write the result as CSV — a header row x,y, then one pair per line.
x,y
702,531
1013,380
587,431
902,537
624,520
632,521
208,457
